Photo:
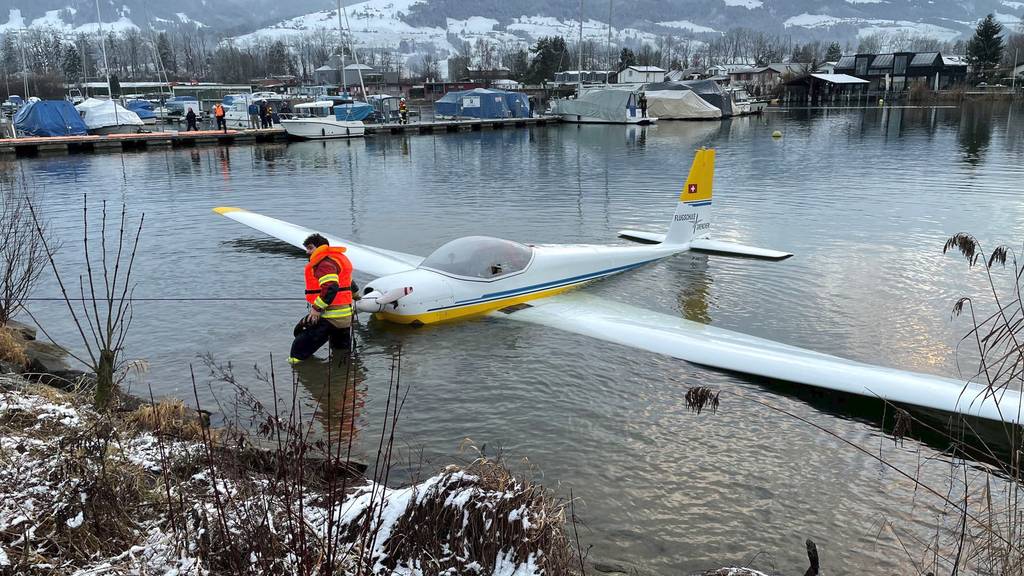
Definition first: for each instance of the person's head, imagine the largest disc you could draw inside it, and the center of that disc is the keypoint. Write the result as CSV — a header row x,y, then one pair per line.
x,y
312,242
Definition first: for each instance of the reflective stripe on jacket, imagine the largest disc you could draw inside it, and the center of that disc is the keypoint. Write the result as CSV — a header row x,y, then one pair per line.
x,y
329,282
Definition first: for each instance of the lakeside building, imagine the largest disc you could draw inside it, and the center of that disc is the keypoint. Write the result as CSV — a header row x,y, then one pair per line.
x,y
588,77
766,78
641,75
899,71
819,87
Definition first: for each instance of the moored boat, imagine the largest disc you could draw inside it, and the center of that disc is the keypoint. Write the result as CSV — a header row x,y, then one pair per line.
x,y
602,106
324,119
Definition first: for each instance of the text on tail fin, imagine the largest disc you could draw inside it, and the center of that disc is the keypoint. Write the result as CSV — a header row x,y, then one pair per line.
x,y
702,172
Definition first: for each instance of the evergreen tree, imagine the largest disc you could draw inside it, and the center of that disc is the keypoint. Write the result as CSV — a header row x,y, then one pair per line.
x,y
277,59
71,63
550,54
626,59
165,51
834,52
985,49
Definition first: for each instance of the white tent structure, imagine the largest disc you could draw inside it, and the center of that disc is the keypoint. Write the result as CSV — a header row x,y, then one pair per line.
x,y
680,105
108,117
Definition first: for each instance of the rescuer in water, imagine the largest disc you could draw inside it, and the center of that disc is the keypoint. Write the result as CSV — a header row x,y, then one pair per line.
x,y
329,292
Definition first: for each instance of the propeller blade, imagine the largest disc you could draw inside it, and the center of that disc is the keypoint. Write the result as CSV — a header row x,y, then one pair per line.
x,y
375,301
392,295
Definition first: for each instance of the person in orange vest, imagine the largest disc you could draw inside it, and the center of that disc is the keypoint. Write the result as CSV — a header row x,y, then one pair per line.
x,y
403,112
218,113
329,292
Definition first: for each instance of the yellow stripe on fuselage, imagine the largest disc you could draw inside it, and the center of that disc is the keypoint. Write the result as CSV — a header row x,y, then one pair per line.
x,y
461,312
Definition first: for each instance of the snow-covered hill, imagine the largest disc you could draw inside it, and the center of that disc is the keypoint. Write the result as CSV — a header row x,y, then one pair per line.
x,y
439,23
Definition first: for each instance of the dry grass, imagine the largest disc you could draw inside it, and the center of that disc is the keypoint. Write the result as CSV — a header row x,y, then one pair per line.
x,y
12,350
169,417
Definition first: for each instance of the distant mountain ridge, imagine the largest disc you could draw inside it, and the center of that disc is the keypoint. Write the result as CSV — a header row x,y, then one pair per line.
x,y
442,22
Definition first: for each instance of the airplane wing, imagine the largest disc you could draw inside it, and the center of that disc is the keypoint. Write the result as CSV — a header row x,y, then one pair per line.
x,y
719,348
367,259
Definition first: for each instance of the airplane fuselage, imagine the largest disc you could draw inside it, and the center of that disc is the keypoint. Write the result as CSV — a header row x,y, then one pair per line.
x,y
445,290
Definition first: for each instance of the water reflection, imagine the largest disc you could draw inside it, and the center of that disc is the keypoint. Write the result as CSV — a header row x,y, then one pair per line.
x,y
975,133
338,390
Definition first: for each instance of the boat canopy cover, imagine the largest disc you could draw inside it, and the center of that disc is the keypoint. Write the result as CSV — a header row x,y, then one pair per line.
x,y
609,104
49,118
356,111
680,105
709,90
518,104
476,103
143,108
102,113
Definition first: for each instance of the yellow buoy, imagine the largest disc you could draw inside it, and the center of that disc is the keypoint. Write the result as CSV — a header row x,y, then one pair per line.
x,y
777,134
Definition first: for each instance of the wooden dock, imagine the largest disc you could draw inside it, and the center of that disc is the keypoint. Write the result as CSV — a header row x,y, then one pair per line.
x,y
158,140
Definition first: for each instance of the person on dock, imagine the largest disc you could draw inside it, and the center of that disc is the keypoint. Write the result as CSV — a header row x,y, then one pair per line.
x,y
254,115
403,112
268,115
190,121
218,113
264,119
329,292
642,100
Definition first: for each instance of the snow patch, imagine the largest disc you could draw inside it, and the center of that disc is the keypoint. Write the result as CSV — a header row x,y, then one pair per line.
x,y
1007,19
472,25
686,25
1013,5
14,21
748,4
806,20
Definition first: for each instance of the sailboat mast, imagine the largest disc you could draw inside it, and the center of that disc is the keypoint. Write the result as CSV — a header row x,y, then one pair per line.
x,y
103,48
341,39
608,48
579,60
355,56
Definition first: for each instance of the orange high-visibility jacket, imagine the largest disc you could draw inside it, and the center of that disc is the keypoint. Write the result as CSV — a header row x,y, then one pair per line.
x,y
322,276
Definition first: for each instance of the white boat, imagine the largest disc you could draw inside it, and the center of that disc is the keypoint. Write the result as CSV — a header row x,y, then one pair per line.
x,y
236,113
108,117
744,105
602,106
314,120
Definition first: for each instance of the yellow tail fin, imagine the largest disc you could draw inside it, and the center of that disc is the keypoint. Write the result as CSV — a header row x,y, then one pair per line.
x,y
693,213
702,172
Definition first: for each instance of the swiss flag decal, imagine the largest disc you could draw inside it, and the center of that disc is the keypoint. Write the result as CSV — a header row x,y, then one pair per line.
x,y
691,188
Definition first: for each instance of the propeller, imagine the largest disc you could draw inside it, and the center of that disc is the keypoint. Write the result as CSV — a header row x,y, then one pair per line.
x,y
375,300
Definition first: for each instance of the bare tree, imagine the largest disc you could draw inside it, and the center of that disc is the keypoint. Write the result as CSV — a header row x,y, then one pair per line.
x,y
22,258
102,309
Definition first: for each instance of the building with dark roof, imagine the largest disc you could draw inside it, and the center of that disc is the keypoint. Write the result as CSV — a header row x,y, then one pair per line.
x,y
898,71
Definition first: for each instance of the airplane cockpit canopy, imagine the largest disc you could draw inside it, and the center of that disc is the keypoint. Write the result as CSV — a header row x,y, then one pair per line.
x,y
480,257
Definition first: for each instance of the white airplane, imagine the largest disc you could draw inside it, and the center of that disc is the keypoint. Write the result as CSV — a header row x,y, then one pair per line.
x,y
478,275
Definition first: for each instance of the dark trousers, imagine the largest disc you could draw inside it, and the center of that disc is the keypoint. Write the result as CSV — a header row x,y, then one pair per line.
x,y
191,125
309,339
222,124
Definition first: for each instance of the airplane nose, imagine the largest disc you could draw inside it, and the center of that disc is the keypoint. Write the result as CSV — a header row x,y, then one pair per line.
x,y
377,301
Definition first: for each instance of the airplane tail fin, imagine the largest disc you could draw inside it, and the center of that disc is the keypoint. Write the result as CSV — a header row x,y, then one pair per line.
x,y
692,218
690,228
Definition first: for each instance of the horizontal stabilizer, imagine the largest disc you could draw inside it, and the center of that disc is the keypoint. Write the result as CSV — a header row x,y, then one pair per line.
x,y
731,249
642,237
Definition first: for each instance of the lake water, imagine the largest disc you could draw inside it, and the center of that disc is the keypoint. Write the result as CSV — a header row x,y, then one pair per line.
x,y
864,198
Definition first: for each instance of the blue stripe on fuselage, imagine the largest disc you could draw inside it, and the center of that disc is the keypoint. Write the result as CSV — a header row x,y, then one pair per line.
x,y
544,286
